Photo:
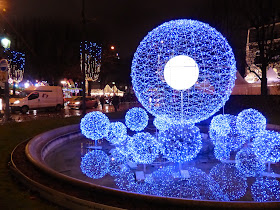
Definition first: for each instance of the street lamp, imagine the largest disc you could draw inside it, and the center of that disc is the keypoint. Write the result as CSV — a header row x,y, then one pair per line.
x,y
5,42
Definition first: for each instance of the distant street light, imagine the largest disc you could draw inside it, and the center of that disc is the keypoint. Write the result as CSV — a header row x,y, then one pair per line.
x,y
112,47
6,43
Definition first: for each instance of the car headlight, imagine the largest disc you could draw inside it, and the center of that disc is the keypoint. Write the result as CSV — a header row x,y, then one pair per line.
x,y
16,102
77,102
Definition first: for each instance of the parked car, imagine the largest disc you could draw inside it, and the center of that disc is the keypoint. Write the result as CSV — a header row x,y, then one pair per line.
x,y
40,98
77,103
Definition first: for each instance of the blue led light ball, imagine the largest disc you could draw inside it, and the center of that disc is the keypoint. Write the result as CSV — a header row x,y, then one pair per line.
x,y
222,152
124,147
250,122
223,130
162,123
117,132
116,159
230,179
266,189
248,163
144,147
136,119
94,125
95,164
180,143
267,146
194,41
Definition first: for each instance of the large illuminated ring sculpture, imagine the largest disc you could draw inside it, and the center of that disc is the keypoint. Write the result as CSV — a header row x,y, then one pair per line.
x,y
183,69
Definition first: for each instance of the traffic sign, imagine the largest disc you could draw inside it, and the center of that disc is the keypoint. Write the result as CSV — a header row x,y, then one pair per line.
x,y
4,65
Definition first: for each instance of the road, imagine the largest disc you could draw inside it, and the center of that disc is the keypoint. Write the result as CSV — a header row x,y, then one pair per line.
x,y
66,112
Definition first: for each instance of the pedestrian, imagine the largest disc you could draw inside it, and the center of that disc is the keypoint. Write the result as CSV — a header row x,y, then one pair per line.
x,y
115,102
102,101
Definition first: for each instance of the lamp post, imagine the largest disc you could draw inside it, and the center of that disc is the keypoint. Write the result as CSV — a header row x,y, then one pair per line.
x,y
5,42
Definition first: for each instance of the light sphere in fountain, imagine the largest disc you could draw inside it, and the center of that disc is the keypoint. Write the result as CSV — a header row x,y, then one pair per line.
x,y
144,147
177,48
117,132
266,189
248,163
180,143
94,125
136,119
250,122
95,164
267,146
230,179
162,123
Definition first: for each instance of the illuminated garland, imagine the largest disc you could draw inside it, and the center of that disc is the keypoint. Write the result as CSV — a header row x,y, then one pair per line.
x,y
95,164
232,182
117,132
136,119
180,143
92,60
248,163
250,122
207,47
144,147
266,189
267,146
94,125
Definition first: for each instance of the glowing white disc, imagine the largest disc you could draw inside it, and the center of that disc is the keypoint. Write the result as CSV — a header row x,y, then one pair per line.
x,y
181,72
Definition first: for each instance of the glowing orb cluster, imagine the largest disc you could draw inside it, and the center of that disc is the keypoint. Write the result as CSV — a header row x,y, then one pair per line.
x,y
95,164
232,182
267,146
144,147
136,119
94,125
221,151
266,189
180,143
125,146
250,122
117,132
248,163
177,48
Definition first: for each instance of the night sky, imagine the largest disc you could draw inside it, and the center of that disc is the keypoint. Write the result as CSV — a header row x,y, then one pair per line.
x,y
124,23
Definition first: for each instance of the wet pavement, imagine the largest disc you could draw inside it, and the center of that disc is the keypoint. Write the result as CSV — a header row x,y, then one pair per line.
x,y
66,112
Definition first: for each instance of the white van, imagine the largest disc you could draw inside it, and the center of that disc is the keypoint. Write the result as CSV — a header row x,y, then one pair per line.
x,y
41,97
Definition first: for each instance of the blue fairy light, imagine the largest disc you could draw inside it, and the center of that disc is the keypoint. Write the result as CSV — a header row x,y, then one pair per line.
x,y
125,180
144,147
266,189
248,163
95,164
217,70
230,179
136,119
117,132
180,143
94,125
162,123
250,122
266,145
219,126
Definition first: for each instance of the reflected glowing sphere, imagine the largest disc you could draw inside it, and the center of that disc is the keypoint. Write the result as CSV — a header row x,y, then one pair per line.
x,y
95,164
173,50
